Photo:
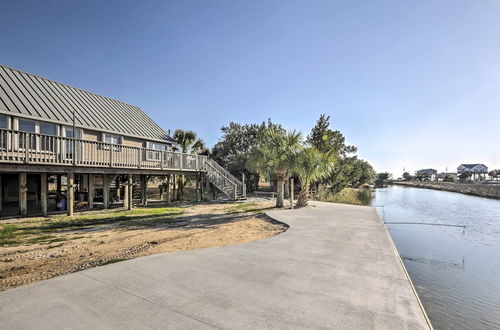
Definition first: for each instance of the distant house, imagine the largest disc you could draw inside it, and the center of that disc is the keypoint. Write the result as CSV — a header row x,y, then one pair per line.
x,y
426,173
476,170
447,176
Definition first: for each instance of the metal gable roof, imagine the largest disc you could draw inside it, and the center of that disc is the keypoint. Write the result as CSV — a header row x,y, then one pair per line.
x,y
27,95
471,165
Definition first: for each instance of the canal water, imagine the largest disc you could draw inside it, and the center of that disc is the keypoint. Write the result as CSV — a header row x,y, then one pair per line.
x,y
456,273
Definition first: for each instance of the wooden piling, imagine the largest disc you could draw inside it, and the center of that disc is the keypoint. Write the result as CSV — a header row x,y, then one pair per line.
x,y
44,192
91,191
130,195
168,189
105,190
23,194
70,194
144,190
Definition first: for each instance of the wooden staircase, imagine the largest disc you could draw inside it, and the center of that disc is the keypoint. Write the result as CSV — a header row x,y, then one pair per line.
x,y
225,181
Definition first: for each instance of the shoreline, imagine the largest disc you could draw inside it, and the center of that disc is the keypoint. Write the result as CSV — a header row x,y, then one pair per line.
x,y
491,191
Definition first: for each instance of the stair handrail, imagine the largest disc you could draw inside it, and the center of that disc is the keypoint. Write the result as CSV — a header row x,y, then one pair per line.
x,y
222,170
233,193
225,173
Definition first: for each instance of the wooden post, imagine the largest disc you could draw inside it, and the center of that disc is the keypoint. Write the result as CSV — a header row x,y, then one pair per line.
x,y
91,191
118,187
291,193
70,194
244,192
197,187
168,189
44,193
105,190
174,189
207,187
130,195
58,184
126,195
144,190
1,196
202,187
23,195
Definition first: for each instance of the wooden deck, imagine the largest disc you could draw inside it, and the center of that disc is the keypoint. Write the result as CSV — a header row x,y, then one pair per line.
x,y
32,150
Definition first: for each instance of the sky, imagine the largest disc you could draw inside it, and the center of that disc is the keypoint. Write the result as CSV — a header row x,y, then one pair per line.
x,y
412,84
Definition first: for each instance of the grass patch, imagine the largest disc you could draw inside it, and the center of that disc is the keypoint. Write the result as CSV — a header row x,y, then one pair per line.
x,y
45,230
45,239
8,235
247,207
143,216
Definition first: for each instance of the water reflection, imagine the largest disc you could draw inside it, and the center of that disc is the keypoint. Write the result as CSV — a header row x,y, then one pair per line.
x,y
457,274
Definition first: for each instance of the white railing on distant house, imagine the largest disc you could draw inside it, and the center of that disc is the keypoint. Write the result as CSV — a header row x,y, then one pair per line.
x,y
34,148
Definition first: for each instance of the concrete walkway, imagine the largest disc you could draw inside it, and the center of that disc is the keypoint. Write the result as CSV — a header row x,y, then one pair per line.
x,y
335,267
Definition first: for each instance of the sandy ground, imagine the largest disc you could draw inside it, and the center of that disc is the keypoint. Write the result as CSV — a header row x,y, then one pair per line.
x,y
73,249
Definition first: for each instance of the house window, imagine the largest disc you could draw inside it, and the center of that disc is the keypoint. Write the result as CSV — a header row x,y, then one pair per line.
x,y
3,121
69,132
47,143
154,155
3,136
48,129
113,139
27,126
156,146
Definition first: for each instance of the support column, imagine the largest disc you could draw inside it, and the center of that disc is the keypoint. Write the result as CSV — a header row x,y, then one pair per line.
x,y
144,190
125,195
1,196
202,187
23,195
197,187
44,193
168,189
105,190
244,184
118,188
90,195
129,188
174,189
70,194
58,184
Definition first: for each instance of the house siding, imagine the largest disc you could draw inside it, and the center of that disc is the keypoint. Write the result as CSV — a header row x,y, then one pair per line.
x,y
91,135
133,142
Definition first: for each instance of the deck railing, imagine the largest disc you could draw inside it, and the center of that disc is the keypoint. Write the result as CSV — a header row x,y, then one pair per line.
x,y
34,148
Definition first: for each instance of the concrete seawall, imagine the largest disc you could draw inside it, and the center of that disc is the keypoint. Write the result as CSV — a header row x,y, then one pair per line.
x,y
481,190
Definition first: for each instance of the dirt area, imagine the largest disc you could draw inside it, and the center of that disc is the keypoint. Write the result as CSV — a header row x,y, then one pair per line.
x,y
34,249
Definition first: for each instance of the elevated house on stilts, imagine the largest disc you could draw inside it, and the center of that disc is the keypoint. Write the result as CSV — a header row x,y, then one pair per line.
x,y
62,147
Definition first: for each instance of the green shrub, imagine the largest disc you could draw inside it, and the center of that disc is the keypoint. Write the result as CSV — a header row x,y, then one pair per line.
x,y
360,196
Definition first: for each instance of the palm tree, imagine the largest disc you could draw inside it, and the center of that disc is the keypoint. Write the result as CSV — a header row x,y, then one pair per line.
x,y
311,166
188,142
274,155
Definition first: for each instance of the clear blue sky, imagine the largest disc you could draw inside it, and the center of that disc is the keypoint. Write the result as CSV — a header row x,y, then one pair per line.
x,y
411,83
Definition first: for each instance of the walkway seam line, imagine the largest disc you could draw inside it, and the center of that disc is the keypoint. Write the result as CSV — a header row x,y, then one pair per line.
x,y
148,300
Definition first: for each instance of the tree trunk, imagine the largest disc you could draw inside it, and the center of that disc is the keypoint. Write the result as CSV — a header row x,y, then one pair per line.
x,y
287,189
280,193
303,196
